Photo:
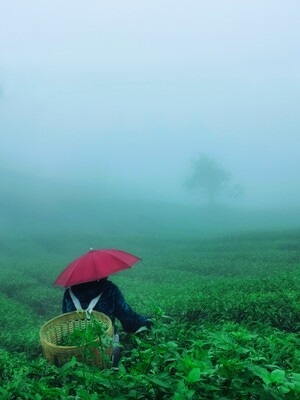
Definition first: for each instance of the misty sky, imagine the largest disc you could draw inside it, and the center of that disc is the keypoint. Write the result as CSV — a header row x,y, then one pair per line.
x,y
129,92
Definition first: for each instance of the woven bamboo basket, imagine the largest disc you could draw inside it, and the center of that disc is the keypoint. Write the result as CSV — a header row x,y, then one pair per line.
x,y
53,332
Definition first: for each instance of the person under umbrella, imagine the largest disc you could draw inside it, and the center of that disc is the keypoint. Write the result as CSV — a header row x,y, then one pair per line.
x,y
108,299
88,288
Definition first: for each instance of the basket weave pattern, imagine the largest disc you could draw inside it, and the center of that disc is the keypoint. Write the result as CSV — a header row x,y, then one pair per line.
x,y
53,332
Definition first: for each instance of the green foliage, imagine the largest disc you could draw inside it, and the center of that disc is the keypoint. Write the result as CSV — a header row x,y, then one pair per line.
x,y
83,336
225,312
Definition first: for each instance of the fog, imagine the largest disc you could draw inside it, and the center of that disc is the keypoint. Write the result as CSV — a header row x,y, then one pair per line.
x,y
103,103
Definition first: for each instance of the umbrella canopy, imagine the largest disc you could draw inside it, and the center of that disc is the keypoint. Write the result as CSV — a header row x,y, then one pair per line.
x,y
94,265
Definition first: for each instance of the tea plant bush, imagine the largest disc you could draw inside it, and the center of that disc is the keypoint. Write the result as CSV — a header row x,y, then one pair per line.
x,y
225,310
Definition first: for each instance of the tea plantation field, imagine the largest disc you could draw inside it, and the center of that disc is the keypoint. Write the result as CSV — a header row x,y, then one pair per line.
x,y
226,314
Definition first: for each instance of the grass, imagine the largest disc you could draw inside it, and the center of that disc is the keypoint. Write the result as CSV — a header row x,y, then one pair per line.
x,y
226,311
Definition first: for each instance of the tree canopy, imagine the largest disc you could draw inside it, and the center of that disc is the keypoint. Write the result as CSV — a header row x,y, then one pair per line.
x,y
210,178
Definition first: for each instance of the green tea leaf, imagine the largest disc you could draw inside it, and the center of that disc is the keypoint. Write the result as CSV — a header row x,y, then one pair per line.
x,y
194,375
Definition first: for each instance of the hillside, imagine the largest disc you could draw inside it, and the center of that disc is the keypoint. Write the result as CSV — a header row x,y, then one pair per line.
x,y
32,204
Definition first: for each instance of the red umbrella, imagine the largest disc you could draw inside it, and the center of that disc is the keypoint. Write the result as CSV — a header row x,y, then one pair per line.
x,y
94,265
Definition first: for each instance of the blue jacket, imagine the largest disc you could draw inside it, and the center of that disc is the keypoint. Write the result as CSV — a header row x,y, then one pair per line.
x,y
111,303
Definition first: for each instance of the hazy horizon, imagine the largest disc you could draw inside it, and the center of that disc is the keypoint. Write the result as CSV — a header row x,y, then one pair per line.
x,y
127,94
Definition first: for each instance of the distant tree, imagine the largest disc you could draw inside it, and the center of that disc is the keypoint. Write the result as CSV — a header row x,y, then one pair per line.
x,y
208,177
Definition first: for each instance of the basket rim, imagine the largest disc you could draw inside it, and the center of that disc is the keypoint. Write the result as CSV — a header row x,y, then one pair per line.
x,y
82,315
